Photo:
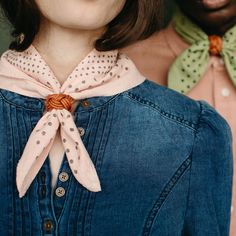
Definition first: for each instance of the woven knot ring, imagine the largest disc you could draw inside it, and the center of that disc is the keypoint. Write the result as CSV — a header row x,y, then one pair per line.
x,y
59,102
215,45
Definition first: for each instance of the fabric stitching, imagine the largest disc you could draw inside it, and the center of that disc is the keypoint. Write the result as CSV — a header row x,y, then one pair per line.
x,y
163,196
17,105
168,115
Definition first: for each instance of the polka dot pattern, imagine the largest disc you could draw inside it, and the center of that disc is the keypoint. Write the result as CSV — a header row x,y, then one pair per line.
x,y
98,74
191,65
31,63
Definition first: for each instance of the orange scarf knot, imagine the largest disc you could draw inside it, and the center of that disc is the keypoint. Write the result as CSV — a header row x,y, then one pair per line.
x,y
59,102
215,45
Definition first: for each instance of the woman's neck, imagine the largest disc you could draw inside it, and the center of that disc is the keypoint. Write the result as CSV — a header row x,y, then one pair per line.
x,y
64,48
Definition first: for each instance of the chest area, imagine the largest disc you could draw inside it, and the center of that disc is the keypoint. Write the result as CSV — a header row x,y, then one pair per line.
x,y
137,155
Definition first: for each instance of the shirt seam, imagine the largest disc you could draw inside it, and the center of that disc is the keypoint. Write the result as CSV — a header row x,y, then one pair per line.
x,y
163,113
173,181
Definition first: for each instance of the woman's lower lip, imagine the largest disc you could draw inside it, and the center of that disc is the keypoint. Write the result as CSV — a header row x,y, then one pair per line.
x,y
214,4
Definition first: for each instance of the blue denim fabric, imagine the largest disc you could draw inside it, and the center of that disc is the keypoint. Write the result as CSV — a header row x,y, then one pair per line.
x,y
164,162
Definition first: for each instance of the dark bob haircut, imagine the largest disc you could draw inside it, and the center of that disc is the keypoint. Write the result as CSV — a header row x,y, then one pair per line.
x,y
138,20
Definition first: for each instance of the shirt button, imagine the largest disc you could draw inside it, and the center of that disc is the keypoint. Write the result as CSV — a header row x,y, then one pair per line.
x,y
85,103
60,192
63,177
48,225
225,92
81,131
221,61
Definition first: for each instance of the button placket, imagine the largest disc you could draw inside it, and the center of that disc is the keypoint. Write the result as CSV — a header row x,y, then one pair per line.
x,y
42,187
64,184
61,188
44,196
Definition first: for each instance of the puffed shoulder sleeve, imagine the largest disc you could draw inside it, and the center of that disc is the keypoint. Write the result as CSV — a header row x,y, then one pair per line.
x,y
210,189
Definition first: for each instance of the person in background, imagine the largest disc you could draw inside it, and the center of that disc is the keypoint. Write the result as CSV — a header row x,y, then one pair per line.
x,y
196,56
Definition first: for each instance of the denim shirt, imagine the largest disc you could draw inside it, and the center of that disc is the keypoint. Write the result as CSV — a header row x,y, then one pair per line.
x,y
164,162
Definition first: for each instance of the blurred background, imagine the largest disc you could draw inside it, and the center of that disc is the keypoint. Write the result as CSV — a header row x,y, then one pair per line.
x,y
4,34
5,27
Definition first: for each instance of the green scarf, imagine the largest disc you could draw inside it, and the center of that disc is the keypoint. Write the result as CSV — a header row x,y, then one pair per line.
x,y
191,65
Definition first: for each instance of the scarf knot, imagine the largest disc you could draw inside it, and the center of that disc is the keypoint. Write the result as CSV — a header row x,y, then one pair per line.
x,y
215,45
59,102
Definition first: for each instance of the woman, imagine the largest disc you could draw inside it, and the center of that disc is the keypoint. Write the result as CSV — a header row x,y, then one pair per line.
x,y
195,55
92,148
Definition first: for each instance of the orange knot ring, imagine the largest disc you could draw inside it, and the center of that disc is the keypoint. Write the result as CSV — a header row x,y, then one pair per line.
x,y
215,45
59,102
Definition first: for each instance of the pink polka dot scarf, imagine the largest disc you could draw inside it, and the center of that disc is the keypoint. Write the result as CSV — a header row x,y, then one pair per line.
x,y
98,74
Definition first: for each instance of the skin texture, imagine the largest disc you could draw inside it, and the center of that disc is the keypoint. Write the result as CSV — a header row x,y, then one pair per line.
x,y
69,28
212,21
80,14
